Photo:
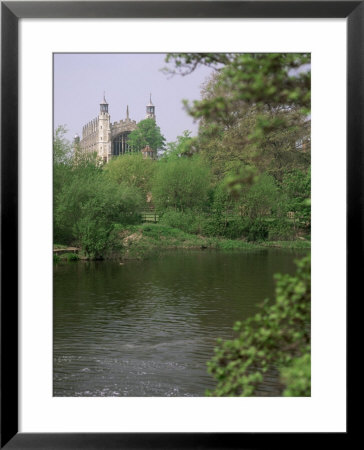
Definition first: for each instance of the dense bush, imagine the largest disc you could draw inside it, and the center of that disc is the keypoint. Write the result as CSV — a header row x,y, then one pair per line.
x,y
257,231
216,225
132,170
297,377
281,229
108,205
296,186
181,184
71,257
277,336
186,221
235,228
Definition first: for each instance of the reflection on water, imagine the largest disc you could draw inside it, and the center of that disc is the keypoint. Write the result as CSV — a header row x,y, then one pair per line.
x,y
148,328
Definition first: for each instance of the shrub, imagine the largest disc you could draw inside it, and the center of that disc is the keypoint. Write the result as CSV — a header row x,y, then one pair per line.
x,y
236,228
297,377
281,230
185,221
72,257
181,183
257,230
209,226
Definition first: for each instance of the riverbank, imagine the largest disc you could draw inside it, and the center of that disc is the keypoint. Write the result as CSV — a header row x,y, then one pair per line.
x,y
148,240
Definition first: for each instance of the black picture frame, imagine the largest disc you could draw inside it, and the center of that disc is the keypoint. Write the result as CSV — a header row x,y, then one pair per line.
x,y
11,12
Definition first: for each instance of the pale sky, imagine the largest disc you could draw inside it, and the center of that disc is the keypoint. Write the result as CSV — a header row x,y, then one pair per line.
x,y
127,79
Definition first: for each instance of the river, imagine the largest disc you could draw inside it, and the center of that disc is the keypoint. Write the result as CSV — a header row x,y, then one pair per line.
x,y
147,328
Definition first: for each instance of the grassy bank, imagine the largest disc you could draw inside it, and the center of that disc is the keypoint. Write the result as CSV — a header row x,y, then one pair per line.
x,y
294,245
147,240
65,257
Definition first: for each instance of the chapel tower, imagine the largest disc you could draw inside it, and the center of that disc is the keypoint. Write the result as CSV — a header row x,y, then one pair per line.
x,y
104,131
150,109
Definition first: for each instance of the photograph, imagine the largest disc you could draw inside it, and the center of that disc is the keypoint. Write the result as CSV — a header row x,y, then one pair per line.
x,y
181,224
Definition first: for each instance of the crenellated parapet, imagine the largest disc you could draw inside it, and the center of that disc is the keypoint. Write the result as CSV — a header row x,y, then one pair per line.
x,y
123,126
90,128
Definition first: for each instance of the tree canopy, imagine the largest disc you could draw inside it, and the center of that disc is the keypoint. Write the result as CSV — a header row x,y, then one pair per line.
x,y
146,133
181,183
274,79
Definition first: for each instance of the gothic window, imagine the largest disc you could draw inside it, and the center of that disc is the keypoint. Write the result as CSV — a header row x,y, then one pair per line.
x,y
120,144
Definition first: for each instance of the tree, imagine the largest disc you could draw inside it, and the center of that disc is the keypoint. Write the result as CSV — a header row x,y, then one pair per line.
x,y
62,172
89,206
87,203
108,205
245,136
62,150
132,170
77,186
146,133
181,183
296,187
62,155
182,147
259,78
261,199
254,110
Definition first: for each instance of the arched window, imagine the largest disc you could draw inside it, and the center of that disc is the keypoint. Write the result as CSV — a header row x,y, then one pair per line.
x,y
120,144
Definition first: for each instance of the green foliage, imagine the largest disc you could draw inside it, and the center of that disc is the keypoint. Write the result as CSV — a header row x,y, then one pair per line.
x,y
88,204
108,205
132,170
275,337
80,180
56,258
62,151
181,183
215,225
265,78
257,230
182,147
249,181
70,257
300,244
254,111
62,158
281,229
186,221
297,377
231,228
146,133
146,240
296,186
260,199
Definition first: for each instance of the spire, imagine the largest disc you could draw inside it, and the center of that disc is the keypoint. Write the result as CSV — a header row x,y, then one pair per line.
x,y
104,106
150,109
104,102
127,112
150,100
